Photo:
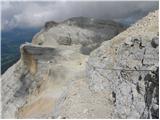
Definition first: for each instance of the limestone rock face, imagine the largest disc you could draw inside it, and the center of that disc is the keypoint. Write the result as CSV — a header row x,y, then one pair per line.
x,y
68,71
87,32
38,84
10,85
41,76
50,24
128,67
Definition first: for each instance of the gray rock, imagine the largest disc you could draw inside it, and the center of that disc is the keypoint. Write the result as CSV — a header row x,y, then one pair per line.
x,y
122,74
50,61
64,40
50,24
87,32
127,67
155,42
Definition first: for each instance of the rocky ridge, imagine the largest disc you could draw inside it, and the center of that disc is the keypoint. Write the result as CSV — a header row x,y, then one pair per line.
x,y
40,81
128,67
61,74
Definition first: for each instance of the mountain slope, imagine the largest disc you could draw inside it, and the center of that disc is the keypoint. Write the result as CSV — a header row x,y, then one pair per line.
x,y
128,67
82,68
37,85
62,74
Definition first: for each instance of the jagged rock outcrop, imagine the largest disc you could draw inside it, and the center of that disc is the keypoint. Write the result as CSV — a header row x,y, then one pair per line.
x,y
87,32
41,76
127,67
49,24
38,84
24,77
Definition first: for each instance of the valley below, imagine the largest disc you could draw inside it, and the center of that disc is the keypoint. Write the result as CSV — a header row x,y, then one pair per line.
x,y
10,44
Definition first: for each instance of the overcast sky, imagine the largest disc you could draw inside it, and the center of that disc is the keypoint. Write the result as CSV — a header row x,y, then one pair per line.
x,y
35,14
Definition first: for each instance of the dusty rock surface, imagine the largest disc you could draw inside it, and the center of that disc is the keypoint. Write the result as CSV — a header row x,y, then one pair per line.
x,y
38,84
86,32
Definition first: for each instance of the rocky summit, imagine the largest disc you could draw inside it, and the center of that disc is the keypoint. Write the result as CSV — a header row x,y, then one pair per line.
x,y
86,68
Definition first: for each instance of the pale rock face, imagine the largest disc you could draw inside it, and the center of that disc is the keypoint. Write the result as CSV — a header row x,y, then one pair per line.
x,y
128,66
38,84
57,77
41,76
87,32
10,84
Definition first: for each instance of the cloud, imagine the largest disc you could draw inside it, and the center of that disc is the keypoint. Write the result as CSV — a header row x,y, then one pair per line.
x,y
24,14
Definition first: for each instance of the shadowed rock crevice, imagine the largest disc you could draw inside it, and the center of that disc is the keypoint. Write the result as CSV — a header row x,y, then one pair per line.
x,y
152,94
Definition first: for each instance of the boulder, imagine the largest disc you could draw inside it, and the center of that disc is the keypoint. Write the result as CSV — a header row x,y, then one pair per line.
x,y
50,24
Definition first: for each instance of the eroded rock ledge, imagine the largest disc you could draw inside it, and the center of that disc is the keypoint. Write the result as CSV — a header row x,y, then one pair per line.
x,y
32,54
